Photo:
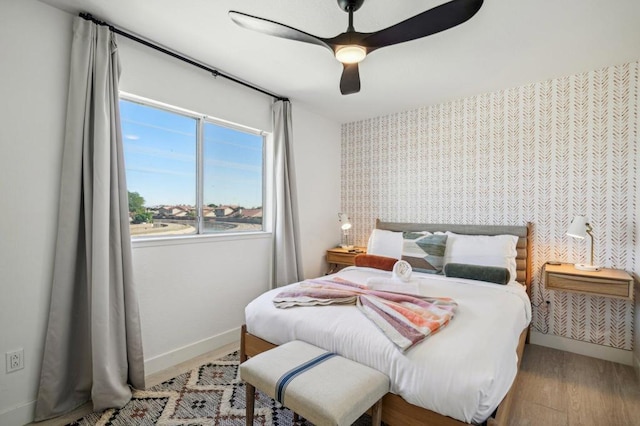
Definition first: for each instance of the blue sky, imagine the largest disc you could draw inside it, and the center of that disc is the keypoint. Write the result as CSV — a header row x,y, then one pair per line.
x,y
160,158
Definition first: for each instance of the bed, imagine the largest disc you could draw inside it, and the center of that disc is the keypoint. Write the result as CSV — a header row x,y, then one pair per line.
x,y
462,374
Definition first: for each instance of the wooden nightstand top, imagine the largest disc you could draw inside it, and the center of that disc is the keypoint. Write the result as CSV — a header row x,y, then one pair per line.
x,y
605,282
358,250
569,269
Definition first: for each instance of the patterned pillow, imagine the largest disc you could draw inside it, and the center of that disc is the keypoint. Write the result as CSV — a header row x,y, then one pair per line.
x,y
424,251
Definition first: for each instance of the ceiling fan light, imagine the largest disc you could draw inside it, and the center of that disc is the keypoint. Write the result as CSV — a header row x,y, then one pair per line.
x,y
351,54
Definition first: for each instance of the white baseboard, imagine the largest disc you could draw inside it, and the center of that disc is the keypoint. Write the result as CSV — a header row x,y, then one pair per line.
x,y
185,353
607,353
19,416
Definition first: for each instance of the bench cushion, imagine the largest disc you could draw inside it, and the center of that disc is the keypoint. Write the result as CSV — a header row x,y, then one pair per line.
x,y
334,391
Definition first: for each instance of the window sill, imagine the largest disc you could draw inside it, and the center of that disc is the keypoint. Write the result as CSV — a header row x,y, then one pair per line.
x,y
143,242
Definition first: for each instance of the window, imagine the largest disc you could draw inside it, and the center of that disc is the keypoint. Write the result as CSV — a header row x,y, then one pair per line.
x,y
188,173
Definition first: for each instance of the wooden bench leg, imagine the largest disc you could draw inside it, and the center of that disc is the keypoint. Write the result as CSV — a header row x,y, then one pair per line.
x,y
376,413
250,399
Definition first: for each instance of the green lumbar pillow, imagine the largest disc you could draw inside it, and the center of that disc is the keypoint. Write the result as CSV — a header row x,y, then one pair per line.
x,y
492,274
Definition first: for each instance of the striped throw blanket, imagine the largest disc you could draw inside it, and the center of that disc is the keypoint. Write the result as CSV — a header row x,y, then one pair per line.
x,y
405,319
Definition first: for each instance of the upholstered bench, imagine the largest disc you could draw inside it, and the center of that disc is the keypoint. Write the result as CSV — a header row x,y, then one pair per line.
x,y
320,386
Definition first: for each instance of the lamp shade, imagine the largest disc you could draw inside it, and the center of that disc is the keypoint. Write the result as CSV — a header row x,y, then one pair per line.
x,y
345,225
578,228
344,220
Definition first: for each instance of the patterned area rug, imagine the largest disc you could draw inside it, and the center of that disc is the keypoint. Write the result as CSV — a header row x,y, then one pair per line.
x,y
209,395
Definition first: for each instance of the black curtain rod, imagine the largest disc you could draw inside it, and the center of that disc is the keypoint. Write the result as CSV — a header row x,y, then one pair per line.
x,y
175,55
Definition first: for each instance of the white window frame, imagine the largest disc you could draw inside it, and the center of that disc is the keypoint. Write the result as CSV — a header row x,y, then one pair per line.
x,y
267,180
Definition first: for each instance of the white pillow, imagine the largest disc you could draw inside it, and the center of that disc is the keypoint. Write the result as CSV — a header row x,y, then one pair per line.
x,y
485,250
385,243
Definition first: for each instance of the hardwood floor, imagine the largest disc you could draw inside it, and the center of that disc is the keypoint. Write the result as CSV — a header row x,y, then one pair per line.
x,y
557,388
554,388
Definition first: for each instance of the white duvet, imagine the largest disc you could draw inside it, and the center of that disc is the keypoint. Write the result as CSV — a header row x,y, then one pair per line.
x,y
463,371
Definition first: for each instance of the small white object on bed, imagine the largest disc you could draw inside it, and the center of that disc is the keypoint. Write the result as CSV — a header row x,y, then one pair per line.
x,y
463,371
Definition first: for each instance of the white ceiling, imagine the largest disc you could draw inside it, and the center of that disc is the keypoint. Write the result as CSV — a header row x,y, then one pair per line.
x,y
508,43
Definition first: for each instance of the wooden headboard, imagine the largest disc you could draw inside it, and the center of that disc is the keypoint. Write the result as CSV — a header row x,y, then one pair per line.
x,y
523,257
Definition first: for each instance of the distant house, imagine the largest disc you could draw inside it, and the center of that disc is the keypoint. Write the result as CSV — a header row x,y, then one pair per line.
x,y
166,211
208,211
174,211
222,211
252,213
183,211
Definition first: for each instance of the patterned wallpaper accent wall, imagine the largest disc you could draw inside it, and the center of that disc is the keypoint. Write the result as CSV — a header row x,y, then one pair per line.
x,y
540,153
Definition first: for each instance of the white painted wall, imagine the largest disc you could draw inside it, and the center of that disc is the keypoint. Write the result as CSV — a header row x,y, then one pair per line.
x,y
317,166
192,296
34,46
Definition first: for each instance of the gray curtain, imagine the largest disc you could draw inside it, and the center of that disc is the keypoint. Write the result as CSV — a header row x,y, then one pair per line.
x,y
93,346
287,267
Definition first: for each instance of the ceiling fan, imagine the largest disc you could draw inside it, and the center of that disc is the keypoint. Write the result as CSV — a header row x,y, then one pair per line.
x,y
352,46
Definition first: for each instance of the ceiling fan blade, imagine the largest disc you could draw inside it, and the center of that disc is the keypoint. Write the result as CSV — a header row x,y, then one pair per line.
x,y
432,21
350,80
275,29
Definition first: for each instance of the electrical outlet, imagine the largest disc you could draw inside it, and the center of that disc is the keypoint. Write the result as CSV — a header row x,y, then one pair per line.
x,y
15,360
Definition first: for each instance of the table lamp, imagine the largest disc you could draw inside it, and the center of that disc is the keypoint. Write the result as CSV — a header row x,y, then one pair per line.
x,y
343,218
580,228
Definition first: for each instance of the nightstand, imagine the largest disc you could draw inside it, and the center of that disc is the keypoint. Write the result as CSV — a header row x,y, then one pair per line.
x,y
338,258
606,282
